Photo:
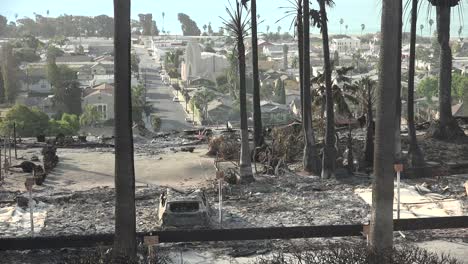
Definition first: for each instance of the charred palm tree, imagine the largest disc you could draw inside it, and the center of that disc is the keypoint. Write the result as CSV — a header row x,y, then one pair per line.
x,y
311,159
295,10
329,151
257,112
237,23
398,96
343,89
125,219
367,85
415,155
446,127
381,227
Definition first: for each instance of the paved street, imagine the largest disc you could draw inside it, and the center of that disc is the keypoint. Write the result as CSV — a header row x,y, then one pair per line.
x,y
160,95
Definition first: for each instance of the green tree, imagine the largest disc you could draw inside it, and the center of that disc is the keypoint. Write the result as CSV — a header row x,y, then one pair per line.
x,y
460,87
428,87
341,23
146,22
68,125
26,55
67,93
104,26
201,100
135,64
189,27
210,29
30,122
9,73
3,25
90,117
280,92
139,104
53,52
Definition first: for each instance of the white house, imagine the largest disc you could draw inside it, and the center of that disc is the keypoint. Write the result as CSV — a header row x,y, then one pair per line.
x,y
346,44
103,101
35,80
199,64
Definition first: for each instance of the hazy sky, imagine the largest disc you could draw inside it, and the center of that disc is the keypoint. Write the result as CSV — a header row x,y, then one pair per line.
x,y
354,12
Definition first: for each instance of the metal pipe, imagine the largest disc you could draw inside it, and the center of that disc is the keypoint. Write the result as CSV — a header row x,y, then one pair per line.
x,y
14,134
398,194
9,149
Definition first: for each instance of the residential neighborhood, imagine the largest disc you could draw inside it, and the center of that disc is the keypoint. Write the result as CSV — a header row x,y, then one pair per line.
x,y
233,131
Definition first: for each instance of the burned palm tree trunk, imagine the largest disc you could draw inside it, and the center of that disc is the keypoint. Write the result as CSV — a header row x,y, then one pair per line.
x,y
237,25
369,144
381,227
329,151
246,175
125,222
257,112
415,155
447,127
311,160
300,45
398,96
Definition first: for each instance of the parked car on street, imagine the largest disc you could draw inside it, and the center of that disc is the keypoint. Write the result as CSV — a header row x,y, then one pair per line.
x,y
175,99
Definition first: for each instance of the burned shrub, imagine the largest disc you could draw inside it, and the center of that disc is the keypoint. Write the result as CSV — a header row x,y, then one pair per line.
x,y
225,147
288,142
356,254
100,255
39,175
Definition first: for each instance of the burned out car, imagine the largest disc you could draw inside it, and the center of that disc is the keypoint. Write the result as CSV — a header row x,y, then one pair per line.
x,y
183,210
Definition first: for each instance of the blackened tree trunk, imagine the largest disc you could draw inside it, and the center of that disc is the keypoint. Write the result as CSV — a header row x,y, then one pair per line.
x,y
447,127
311,160
257,112
300,44
415,155
329,151
125,226
369,144
398,96
246,175
381,227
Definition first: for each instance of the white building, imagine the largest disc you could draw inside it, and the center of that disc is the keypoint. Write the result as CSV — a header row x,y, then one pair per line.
x,y
199,64
346,44
35,80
